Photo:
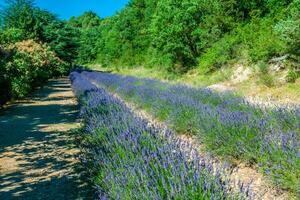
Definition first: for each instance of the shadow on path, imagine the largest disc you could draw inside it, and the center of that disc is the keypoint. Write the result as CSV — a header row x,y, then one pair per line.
x,y
38,156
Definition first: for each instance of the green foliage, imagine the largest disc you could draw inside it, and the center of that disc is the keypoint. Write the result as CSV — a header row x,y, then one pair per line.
x,y
264,75
87,20
29,64
267,80
36,45
259,39
122,39
22,20
11,35
289,30
87,49
87,26
19,14
173,29
176,36
63,40
292,75
254,42
219,54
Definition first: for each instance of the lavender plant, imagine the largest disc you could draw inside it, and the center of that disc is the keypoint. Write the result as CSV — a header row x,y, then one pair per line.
x,y
133,160
227,125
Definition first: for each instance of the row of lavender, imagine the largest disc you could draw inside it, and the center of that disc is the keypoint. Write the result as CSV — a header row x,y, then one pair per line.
x,y
227,125
132,160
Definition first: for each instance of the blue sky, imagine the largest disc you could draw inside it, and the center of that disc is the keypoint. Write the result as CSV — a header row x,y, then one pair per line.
x,y
67,8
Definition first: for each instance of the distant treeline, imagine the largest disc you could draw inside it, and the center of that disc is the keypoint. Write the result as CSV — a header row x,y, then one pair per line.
x,y
178,35
34,46
172,35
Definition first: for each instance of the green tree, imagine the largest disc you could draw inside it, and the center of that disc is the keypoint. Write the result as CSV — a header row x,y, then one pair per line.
x,y
173,29
87,20
63,40
289,28
87,51
87,26
179,35
19,14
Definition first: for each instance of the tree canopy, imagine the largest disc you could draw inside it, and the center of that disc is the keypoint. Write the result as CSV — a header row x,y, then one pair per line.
x,y
181,35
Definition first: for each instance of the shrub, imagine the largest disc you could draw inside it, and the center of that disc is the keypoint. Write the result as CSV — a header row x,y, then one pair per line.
x,y
28,64
259,39
218,55
292,76
264,75
253,41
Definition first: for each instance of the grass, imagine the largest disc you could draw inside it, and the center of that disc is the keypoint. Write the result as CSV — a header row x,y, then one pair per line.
x,y
286,93
193,77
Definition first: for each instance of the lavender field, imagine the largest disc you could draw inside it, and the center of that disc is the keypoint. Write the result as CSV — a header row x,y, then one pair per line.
x,y
132,159
150,99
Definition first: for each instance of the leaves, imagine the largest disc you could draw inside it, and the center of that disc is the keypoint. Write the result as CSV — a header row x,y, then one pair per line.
x,y
180,35
36,46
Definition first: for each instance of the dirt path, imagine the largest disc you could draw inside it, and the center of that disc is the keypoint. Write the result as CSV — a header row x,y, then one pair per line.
x,y
38,156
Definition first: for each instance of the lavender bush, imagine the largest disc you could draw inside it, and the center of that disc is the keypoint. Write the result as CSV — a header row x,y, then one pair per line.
x,y
227,125
132,160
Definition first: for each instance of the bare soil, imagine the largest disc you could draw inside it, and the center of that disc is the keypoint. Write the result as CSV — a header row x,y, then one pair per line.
x,y
38,155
